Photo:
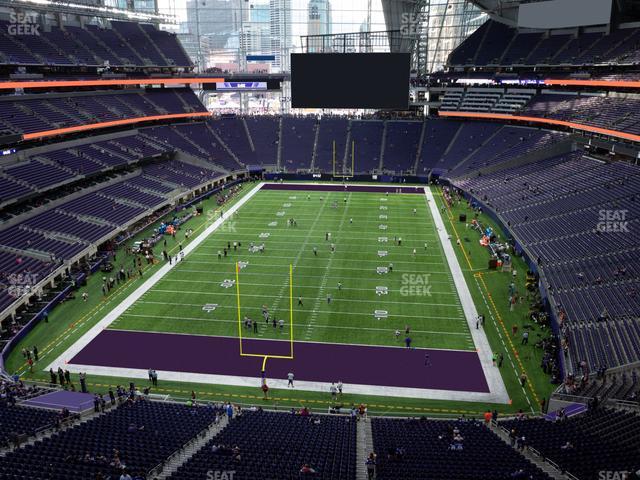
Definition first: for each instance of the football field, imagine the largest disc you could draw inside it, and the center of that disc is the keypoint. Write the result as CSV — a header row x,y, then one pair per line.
x,y
348,279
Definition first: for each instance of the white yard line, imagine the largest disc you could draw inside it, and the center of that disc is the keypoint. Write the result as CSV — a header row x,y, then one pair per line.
x,y
110,317
220,320
281,296
377,262
323,284
298,276
491,373
245,284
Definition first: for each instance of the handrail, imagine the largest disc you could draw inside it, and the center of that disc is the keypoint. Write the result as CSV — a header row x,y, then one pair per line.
x,y
107,82
593,83
111,123
546,121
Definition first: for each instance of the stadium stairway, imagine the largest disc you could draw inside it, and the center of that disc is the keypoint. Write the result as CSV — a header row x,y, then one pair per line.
x,y
546,467
364,446
224,145
182,456
383,146
247,133
423,133
279,155
314,152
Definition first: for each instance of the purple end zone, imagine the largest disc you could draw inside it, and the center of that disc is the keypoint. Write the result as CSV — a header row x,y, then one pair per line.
x,y
321,362
76,402
313,187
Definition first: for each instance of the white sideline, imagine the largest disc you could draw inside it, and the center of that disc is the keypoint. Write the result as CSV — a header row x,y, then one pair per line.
x,y
108,319
497,394
491,373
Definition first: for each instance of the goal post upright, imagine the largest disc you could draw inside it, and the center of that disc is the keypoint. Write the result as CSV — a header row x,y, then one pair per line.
x,y
266,356
238,301
291,309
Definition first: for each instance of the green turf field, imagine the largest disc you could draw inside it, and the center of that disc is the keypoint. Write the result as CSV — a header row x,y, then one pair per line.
x,y
419,289
73,318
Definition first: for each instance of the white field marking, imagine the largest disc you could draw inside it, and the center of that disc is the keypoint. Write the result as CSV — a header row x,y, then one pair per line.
x,y
358,314
220,307
493,378
213,282
399,262
221,320
504,345
290,233
334,268
361,222
112,315
416,259
253,295
374,280
280,296
323,282
254,382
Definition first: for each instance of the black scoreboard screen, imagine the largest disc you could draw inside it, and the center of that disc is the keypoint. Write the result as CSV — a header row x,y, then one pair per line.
x,y
350,80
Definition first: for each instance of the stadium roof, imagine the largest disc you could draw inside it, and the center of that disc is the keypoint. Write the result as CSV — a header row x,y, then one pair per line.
x,y
628,10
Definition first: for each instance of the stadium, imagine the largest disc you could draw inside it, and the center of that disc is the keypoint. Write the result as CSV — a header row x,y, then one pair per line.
x,y
287,239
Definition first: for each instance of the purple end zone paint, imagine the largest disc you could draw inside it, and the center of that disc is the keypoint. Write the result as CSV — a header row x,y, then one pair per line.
x,y
312,187
320,362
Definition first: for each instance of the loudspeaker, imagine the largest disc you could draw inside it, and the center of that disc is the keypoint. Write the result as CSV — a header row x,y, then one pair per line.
x,y
463,217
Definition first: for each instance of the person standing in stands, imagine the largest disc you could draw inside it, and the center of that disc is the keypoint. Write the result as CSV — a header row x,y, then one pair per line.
x,y
370,463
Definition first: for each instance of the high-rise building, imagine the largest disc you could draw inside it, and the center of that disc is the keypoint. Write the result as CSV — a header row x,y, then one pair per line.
x,y
280,32
318,22
209,25
256,33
